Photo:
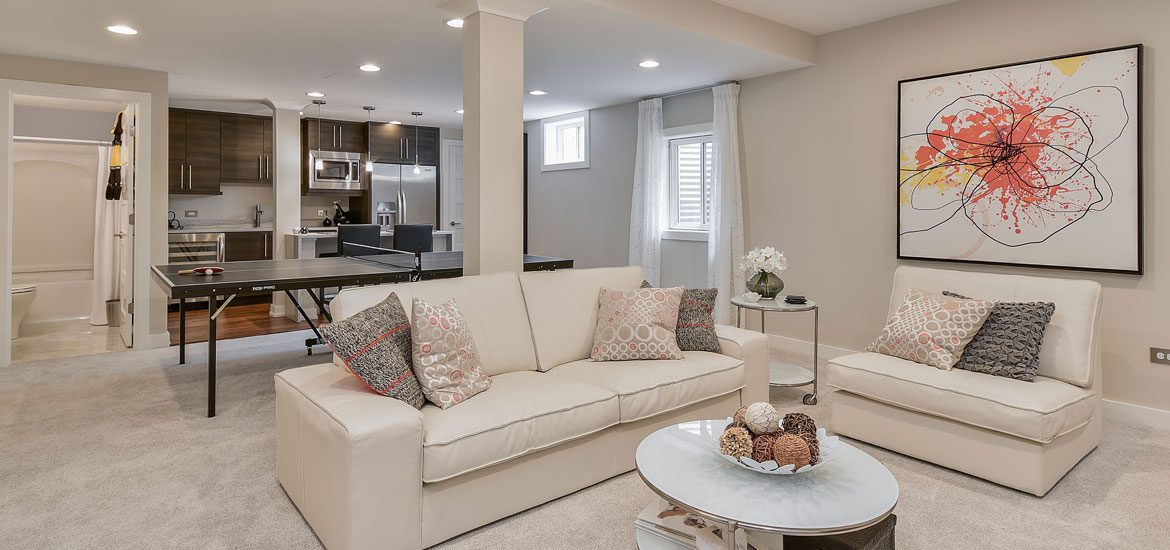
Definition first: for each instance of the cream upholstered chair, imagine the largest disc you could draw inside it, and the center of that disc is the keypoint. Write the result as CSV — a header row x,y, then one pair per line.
x,y
1025,435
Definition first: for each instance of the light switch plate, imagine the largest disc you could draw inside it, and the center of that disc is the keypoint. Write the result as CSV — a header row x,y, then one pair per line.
x,y
1160,355
321,212
190,213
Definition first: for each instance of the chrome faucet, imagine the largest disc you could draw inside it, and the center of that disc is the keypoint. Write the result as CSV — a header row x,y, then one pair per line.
x,y
258,214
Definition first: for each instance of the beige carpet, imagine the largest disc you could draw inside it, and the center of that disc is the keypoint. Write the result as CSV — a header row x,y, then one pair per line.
x,y
113,451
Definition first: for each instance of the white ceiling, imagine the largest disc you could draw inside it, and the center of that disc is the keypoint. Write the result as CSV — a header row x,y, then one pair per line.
x,y
231,54
822,16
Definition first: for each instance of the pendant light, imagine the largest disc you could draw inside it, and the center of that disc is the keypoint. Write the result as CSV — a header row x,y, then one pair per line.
x,y
320,164
417,168
369,158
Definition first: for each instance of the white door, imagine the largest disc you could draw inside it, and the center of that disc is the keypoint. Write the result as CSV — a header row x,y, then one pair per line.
x,y
452,190
126,227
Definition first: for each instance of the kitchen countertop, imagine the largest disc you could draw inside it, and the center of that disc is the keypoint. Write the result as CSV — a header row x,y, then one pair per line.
x,y
333,234
222,228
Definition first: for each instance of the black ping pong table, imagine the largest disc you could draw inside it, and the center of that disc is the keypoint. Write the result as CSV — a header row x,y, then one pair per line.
x,y
307,274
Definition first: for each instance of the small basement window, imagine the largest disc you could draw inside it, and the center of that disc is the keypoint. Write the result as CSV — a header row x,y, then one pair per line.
x,y
566,142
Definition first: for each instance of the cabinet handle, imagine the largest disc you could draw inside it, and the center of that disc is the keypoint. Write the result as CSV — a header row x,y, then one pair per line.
x,y
408,148
268,165
266,246
182,175
191,177
260,166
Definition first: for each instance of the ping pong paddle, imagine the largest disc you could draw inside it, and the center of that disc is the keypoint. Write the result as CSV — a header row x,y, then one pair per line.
x,y
202,271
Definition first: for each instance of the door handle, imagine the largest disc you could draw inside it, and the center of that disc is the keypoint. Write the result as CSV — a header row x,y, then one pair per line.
x,y
456,224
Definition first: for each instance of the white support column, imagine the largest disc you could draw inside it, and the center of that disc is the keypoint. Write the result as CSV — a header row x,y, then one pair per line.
x,y
493,132
286,189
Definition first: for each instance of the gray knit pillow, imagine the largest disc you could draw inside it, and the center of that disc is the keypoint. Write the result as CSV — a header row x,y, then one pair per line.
x,y
696,323
1008,344
374,344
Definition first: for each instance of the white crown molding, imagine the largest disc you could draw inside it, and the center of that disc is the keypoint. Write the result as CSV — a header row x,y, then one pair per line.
x,y
286,104
519,10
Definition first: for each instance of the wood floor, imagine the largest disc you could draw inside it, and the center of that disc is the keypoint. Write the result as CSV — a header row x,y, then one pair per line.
x,y
235,322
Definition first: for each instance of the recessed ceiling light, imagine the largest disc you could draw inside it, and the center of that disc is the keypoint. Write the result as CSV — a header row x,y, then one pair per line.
x,y
302,113
315,94
648,64
537,92
457,23
459,112
395,122
122,29
370,68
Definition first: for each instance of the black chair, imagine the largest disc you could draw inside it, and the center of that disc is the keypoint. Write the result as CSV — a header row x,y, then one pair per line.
x,y
367,234
415,237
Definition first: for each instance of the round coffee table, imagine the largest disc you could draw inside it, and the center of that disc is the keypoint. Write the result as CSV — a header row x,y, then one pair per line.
x,y
680,463
780,373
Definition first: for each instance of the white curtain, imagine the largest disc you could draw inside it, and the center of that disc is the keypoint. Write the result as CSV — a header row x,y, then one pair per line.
x,y
648,208
105,245
725,236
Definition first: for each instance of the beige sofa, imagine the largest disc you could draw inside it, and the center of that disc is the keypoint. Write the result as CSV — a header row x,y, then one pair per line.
x,y
372,472
1025,435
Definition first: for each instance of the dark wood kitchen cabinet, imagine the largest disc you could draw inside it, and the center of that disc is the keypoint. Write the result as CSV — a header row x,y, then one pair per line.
x,y
335,135
241,246
194,152
397,143
245,148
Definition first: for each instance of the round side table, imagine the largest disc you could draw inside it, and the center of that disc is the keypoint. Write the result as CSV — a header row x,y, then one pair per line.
x,y
781,374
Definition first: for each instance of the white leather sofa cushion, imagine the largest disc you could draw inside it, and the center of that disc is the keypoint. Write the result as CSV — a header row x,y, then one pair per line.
x,y
648,388
1039,411
522,412
1067,352
563,308
492,304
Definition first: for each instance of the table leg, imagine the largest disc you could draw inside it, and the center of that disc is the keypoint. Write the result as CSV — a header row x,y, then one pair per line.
x,y
738,314
211,306
182,331
811,399
762,330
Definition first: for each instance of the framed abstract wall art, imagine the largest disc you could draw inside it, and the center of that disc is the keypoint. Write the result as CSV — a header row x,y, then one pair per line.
x,y
1035,163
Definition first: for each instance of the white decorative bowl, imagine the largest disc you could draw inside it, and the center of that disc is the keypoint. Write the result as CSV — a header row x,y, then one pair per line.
x,y
830,446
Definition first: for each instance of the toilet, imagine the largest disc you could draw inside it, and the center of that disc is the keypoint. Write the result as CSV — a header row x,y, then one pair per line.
x,y
22,299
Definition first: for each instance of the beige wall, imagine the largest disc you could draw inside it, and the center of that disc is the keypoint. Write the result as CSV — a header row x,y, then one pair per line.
x,y
819,171
155,83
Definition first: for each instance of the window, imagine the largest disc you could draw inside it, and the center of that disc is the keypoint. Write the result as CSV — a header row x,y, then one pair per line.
x,y
692,175
566,142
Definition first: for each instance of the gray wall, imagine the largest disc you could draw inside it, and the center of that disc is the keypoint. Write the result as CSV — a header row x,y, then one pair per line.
x,y
818,145
61,123
584,214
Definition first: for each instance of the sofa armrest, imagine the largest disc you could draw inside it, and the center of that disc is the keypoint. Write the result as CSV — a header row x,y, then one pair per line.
x,y
752,348
351,460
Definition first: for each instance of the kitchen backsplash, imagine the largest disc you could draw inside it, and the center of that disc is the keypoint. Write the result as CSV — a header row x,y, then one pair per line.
x,y
234,207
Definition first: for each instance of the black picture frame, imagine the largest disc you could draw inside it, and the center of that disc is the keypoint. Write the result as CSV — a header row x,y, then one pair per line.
x,y
1138,117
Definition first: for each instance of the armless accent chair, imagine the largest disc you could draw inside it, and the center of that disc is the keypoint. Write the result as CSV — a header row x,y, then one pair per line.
x,y
415,237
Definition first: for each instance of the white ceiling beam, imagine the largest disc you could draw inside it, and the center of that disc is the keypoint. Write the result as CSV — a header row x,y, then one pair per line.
x,y
722,23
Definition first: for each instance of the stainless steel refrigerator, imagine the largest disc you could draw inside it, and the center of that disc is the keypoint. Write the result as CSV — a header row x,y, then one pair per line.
x,y
399,196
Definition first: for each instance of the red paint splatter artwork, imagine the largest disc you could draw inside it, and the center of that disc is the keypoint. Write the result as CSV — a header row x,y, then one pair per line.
x,y
995,165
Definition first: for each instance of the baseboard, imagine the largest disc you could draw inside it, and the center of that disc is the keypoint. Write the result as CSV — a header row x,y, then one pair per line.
x,y
1136,414
1113,410
156,340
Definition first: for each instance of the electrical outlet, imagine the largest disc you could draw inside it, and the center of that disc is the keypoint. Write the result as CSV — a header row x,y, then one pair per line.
x,y
320,212
1160,355
190,213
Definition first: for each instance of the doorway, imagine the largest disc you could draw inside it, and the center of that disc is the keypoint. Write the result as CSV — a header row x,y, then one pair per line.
x,y
68,258
451,190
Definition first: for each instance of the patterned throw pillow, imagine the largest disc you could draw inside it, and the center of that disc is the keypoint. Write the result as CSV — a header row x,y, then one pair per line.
x,y
445,360
1008,344
696,324
637,324
931,329
374,345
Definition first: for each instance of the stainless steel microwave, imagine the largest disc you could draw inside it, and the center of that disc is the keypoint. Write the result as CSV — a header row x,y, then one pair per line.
x,y
335,170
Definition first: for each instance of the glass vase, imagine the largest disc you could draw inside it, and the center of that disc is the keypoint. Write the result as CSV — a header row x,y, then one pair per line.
x,y
766,284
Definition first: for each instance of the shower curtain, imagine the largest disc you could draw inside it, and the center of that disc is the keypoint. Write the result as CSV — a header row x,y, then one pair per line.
x,y
105,244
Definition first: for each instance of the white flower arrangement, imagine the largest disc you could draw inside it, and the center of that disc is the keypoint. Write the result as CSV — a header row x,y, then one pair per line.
x,y
765,259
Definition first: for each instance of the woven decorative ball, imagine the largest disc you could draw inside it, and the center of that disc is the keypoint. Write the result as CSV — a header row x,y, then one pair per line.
x,y
762,418
739,414
735,424
791,449
762,447
736,442
798,423
814,447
